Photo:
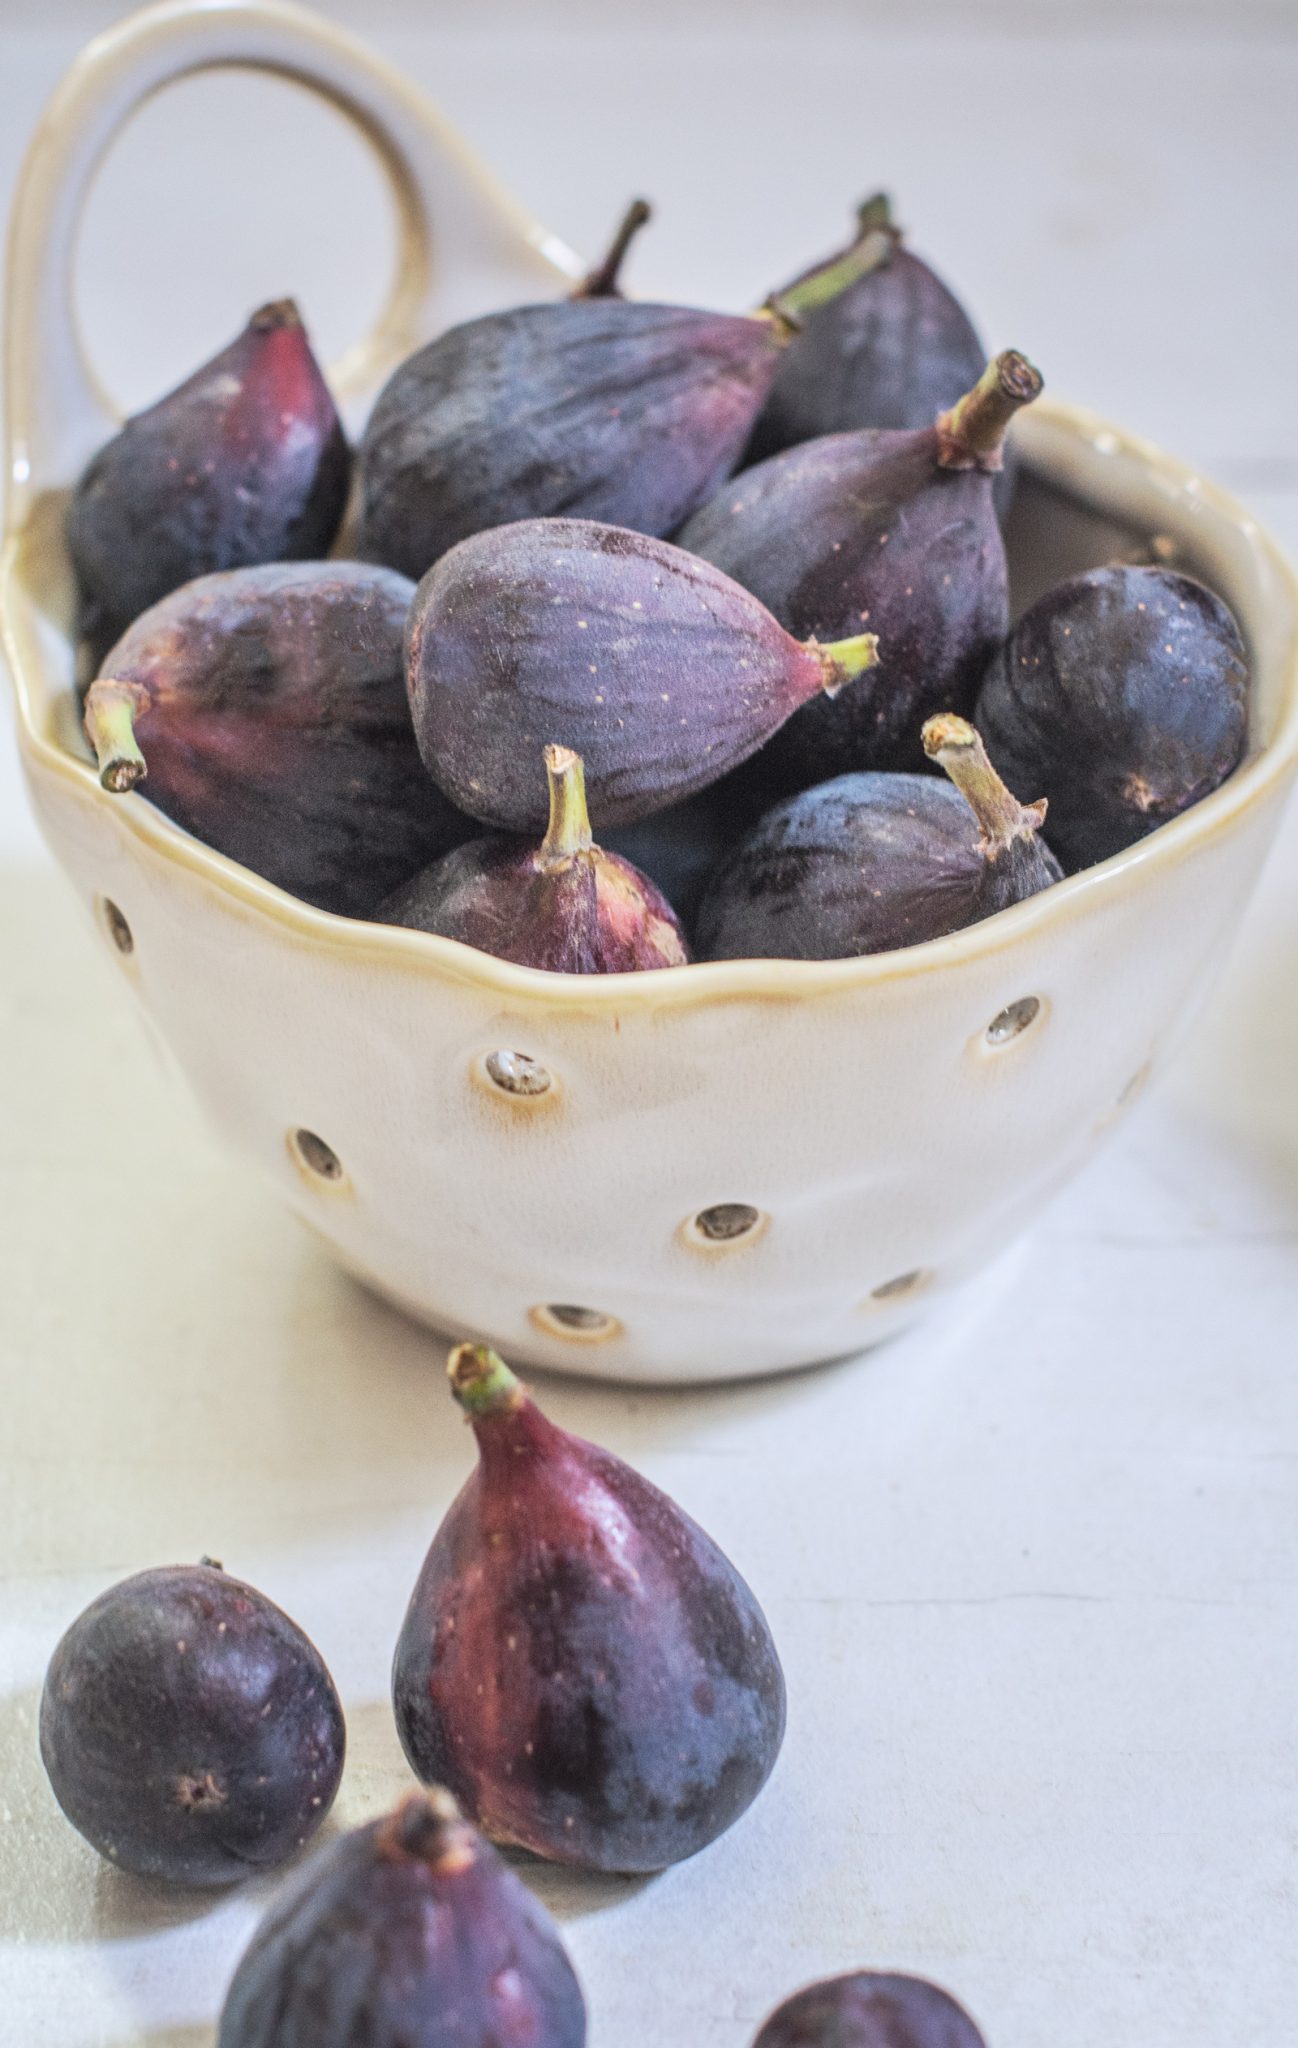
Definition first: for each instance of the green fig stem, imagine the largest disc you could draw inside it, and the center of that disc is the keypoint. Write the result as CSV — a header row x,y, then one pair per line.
x,y
111,711
957,747
602,281
840,660
568,833
972,434
875,213
481,1381
428,1825
790,307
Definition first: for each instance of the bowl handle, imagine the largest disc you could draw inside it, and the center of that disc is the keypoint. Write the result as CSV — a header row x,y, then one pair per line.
x,y
464,245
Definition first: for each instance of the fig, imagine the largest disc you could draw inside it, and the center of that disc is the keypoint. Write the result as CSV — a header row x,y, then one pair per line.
x,y
891,350
592,407
657,669
272,705
407,1933
896,531
565,905
189,1729
603,282
681,848
870,2009
245,462
579,1663
869,862
1123,695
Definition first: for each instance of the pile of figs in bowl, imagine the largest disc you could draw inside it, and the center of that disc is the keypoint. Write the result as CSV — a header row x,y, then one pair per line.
x,y
670,833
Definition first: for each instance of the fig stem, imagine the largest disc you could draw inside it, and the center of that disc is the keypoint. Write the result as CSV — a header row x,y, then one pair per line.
x,y
815,288
840,660
481,1381
602,281
276,313
568,832
972,434
428,1825
111,710
957,747
875,213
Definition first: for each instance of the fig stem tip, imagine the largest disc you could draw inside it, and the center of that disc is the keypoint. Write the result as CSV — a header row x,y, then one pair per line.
x,y
481,1381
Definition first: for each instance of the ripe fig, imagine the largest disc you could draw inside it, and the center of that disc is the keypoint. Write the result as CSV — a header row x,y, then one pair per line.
x,y
245,462
1123,694
190,1730
408,1933
896,531
870,862
659,671
565,905
870,2010
891,350
272,705
603,282
579,1662
591,407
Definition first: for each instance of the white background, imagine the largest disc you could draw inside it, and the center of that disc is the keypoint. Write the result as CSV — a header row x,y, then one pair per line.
x,y
1033,1569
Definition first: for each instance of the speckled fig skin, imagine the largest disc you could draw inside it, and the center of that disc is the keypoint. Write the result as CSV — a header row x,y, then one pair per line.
x,y
870,2009
579,1662
189,1729
891,532
566,905
244,462
653,666
1123,696
268,708
872,862
407,1933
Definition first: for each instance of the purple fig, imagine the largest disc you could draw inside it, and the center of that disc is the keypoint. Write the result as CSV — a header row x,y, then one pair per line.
x,y
245,462
894,531
408,1933
565,905
579,1662
272,706
593,407
681,848
870,2010
1123,695
190,1730
604,281
657,669
870,862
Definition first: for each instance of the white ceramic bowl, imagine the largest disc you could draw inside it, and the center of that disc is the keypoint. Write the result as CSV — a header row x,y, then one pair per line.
x,y
891,1122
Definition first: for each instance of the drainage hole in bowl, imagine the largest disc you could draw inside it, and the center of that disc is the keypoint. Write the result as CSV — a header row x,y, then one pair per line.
x,y
725,1223
119,931
566,1319
312,1153
903,1284
517,1073
1013,1020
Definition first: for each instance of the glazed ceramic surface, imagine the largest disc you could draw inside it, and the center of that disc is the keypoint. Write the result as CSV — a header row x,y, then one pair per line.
x,y
712,1171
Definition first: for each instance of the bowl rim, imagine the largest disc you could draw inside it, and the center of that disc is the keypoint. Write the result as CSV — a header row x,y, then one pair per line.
x,y
1251,785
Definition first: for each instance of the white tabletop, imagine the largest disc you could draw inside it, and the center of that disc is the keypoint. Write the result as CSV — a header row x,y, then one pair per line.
x,y
1033,1569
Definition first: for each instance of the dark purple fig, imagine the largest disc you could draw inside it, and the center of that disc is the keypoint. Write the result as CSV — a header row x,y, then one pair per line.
x,y
190,1730
604,281
271,705
894,531
591,407
408,1933
657,669
682,847
245,462
870,2010
579,1662
565,905
891,350
870,862
1123,694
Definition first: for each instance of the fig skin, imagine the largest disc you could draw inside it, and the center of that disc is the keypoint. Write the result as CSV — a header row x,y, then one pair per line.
x,y
1123,695
681,848
190,1729
579,1662
870,2009
271,709
407,1933
658,670
896,532
868,863
566,905
244,462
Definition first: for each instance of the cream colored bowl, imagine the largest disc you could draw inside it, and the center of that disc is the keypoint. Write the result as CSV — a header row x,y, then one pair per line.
x,y
706,1172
